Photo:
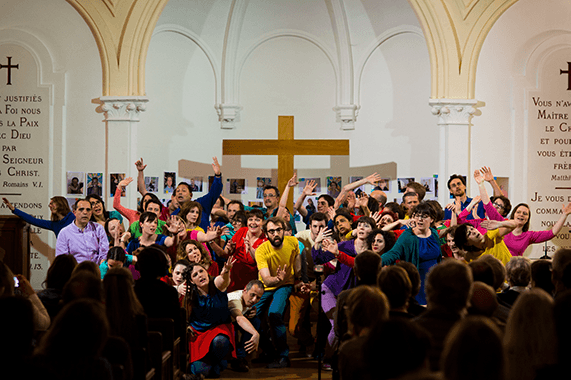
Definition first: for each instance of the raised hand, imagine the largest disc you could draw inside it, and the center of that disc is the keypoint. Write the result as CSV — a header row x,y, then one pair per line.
x,y
478,176
363,200
125,182
490,224
139,165
566,209
373,178
309,188
173,225
377,217
331,246
323,234
216,166
293,182
247,244
228,265
488,176
331,212
8,204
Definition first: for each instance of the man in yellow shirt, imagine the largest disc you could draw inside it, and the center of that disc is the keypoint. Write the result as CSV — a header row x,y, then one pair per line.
x,y
279,266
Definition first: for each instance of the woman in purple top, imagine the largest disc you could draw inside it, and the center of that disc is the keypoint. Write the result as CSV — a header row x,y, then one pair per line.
x,y
60,218
520,238
343,277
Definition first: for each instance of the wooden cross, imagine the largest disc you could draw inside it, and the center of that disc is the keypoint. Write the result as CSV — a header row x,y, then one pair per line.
x,y
285,147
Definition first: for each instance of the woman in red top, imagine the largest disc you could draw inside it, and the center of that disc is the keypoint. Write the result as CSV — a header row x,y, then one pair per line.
x,y
243,246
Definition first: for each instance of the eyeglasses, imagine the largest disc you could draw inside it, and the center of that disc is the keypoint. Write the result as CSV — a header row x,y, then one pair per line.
x,y
497,205
421,216
276,231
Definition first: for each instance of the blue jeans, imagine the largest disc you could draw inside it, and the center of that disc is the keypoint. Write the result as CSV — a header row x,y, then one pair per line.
x,y
246,336
273,302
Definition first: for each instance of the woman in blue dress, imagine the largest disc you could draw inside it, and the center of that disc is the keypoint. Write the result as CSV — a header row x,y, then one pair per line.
x,y
419,245
61,215
210,322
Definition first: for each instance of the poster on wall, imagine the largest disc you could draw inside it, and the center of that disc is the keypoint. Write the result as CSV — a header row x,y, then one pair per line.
x,y
402,182
333,186
169,182
549,154
384,184
237,186
260,183
95,184
152,184
75,183
428,183
114,179
25,115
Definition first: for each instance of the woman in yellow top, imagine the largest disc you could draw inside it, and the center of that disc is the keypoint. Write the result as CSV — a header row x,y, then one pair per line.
x,y
475,244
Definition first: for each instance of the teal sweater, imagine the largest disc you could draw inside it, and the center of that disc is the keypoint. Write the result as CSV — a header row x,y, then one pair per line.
x,y
406,249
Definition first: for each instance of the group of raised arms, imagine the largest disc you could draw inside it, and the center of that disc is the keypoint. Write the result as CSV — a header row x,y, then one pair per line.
x,y
238,269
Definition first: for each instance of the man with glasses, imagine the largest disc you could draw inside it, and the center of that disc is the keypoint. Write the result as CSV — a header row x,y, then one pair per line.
x,y
279,265
272,201
83,239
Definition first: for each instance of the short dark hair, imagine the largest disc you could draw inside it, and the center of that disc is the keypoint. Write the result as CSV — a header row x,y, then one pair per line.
x,y
394,282
453,177
507,204
319,216
328,198
253,283
461,238
154,201
482,271
222,202
424,208
235,202
396,208
366,267
410,194
77,203
152,262
541,275
184,184
255,212
449,284
147,217
413,275
274,220
270,187
418,189
60,271
368,220
116,253
241,216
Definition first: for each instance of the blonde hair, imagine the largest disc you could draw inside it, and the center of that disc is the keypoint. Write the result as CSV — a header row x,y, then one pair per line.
x,y
530,339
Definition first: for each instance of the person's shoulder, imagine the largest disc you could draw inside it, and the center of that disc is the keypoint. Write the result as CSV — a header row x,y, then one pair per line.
x,y
235,295
291,240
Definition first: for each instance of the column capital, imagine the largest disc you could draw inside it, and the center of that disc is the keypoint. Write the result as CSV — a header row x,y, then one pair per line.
x,y
228,114
453,111
347,115
123,108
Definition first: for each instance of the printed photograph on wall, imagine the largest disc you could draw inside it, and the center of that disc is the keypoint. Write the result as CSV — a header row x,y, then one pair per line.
x,y
333,186
384,184
402,182
169,182
95,184
304,181
75,182
504,184
428,183
310,204
71,202
152,184
195,184
237,186
114,179
260,183
355,179
259,204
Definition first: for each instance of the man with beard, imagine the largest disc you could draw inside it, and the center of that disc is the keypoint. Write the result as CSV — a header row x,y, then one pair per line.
x,y
457,187
279,265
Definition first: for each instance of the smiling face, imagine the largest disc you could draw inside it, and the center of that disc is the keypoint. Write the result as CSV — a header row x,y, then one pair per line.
x,y
343,225
254,225
193,253
521,215
378,244
363,230
199,276
177,272
252,296
192,215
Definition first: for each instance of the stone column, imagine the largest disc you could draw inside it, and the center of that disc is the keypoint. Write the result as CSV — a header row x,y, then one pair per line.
x,y
121,118
454,117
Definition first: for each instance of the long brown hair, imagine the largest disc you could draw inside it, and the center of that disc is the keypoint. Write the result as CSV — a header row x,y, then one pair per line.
x,y
205,261
62,208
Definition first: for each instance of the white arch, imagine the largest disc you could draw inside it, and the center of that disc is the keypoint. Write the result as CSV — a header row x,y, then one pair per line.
x,y
202,45
387,35
287,33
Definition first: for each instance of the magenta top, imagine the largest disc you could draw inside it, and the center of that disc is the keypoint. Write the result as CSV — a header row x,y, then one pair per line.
x,y
518,244
491,212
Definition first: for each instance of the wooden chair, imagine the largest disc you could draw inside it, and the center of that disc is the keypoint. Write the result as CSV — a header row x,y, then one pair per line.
x,y
169,345
159,359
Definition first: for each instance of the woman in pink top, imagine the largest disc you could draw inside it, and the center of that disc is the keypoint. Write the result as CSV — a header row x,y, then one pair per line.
x,y
520,238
